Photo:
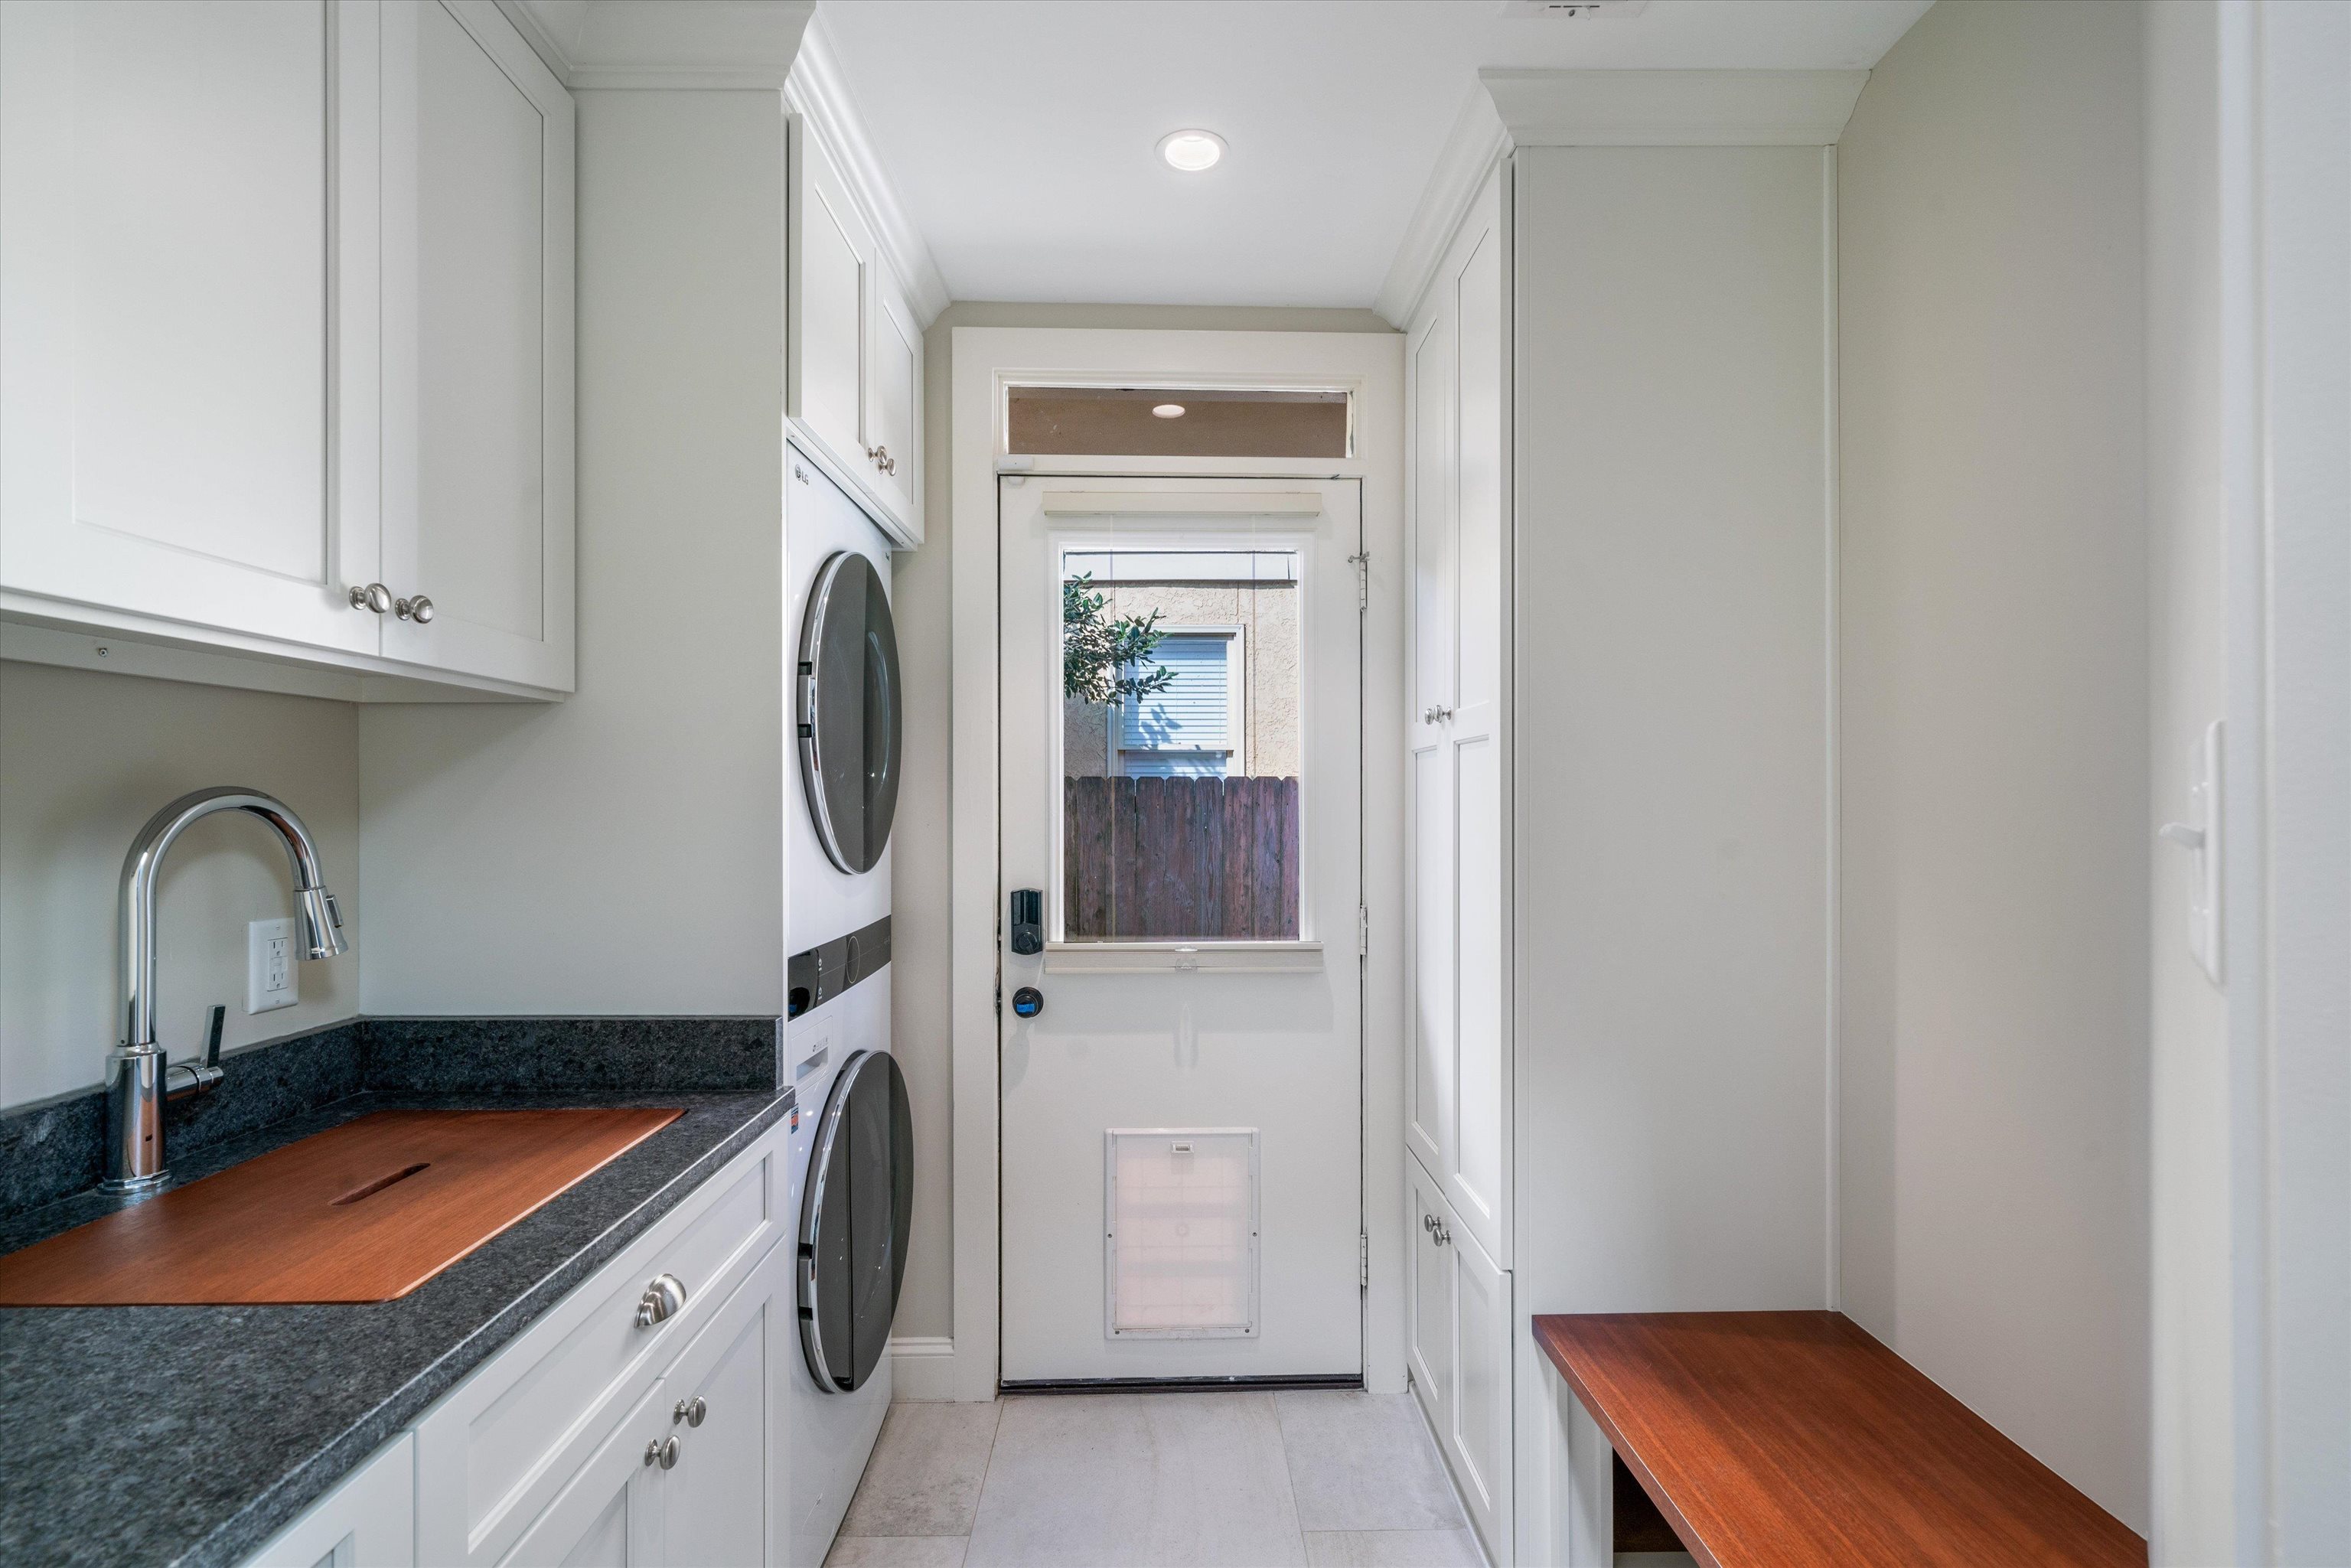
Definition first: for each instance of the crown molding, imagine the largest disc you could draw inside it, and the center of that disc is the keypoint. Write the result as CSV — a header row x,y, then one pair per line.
x,y
1477,139
820,92
1674,109
664,44
1604,108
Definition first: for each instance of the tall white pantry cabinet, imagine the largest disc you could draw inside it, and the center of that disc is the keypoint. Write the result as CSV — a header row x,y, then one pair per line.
x,y
1456,1127
1622,523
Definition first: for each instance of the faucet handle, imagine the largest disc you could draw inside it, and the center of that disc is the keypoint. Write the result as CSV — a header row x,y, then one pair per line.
x,y
182,1078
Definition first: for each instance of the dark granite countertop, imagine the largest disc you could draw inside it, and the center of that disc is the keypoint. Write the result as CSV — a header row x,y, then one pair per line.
x,y
154,1436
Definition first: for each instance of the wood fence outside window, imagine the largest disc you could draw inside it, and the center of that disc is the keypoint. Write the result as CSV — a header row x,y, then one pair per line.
x,y
1215,858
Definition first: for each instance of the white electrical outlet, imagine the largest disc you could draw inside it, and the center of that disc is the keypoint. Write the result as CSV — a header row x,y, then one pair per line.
x,y
272,977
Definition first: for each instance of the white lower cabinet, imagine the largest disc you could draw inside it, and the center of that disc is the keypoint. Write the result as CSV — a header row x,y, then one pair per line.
x,y
610,1514
1458,1346
368,1520
663,1489
602,1434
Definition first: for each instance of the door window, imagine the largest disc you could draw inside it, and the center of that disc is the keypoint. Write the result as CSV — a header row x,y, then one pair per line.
x,y
1182,729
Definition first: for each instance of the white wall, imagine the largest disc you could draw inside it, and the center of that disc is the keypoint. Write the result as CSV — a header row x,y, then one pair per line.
x,y
921,592
1995,657
1672,690
2191,1423
622,852
85,759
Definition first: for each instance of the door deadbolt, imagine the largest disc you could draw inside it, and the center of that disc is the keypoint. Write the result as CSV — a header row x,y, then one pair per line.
x,y
1027,922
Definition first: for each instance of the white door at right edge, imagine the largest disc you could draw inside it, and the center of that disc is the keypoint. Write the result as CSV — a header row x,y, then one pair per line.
x,y
1182,1119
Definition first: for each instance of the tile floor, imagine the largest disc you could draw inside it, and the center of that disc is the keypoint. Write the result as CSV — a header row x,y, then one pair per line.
x,y
1156,1481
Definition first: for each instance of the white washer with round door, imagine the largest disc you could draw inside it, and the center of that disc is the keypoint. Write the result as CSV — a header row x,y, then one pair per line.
x,y
851,1160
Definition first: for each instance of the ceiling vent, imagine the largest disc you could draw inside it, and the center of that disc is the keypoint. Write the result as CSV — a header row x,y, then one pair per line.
x,y
1574,9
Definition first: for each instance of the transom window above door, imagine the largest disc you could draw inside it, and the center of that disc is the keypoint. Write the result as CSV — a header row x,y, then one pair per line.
x,y
1177,421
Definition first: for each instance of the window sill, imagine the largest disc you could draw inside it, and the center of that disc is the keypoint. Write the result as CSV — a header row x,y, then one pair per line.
x,y
1170,958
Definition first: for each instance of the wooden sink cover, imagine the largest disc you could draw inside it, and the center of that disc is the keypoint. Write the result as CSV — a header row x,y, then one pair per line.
x,y
364,1212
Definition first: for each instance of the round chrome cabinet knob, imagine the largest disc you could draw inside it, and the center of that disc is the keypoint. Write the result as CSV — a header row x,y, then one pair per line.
x,y
419,609
662,1454
375,596
690,1411
664,1297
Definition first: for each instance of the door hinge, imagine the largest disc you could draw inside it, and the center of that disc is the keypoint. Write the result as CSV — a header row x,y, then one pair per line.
x,y
1362,931
1364,1261
1362,565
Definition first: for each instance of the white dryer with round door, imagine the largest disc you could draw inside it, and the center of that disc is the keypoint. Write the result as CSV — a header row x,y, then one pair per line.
x,y
851,1194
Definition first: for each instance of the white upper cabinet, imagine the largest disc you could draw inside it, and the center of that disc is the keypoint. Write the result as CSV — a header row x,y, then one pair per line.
x,y
831,252
477,345
176,444
894,397
854,348
284,311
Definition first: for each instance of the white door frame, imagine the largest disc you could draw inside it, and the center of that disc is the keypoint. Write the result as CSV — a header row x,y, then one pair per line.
x,y
985,360
2285,831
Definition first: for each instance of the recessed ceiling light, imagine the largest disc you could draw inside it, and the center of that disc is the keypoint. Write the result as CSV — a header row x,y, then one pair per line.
x,y
1168,410
1191,150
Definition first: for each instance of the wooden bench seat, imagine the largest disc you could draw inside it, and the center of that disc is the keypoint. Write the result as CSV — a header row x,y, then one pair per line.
x,y
1773,1439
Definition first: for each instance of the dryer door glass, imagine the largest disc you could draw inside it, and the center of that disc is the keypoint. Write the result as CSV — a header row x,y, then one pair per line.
x,y
858,1212
849,723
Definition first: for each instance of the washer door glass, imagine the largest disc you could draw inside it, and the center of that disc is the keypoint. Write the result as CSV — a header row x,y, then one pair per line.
x,y
854,1222
849,721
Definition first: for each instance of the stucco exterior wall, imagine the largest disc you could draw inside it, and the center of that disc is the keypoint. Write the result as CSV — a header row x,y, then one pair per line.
x,y
1271,694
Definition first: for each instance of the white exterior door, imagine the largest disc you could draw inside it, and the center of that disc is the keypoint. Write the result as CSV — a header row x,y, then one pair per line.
x,y
1181,1033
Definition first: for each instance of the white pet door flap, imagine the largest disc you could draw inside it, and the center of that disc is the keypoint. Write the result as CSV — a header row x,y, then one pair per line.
x,y
1180,1247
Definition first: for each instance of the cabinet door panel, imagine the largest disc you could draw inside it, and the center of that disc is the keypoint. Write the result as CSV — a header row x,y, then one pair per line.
x,y
478,231
609,1513
167,331
1474,1181
368,1520
1430,1118
830,250
606,1545
1481,1434
1430,1340
1459,1117
893,380
716,1509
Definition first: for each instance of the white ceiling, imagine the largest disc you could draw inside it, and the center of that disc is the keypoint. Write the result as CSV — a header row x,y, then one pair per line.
x,y
1020,133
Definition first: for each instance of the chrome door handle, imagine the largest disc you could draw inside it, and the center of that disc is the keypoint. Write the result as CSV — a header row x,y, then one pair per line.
x,y
1436,714
662,1454
882,459
419,609
664,1297
690,1411
375,596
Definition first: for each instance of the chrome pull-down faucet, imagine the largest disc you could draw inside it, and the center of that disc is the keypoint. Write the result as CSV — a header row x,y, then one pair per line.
x,y
136,1072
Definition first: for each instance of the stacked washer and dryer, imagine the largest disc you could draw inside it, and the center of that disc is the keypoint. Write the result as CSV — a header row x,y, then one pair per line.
x,y
851,1161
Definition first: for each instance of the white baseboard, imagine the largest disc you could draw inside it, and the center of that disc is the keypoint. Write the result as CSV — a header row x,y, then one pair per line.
x,y
922,1367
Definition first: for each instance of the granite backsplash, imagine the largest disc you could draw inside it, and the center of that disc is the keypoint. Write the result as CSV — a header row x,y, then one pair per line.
x,y
55,1149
